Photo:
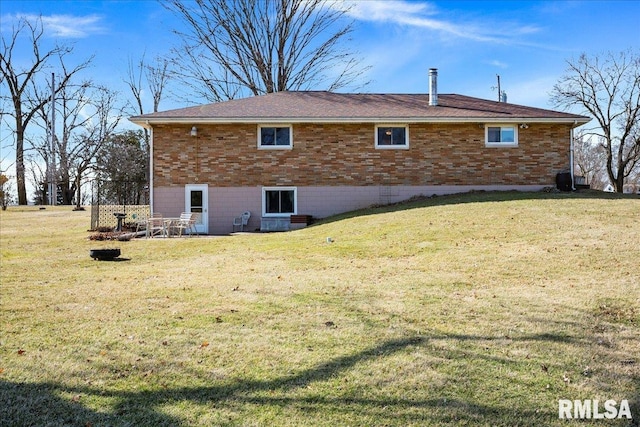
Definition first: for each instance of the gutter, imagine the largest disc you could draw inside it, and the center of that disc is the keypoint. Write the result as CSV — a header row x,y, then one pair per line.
x,y
148,122
150,169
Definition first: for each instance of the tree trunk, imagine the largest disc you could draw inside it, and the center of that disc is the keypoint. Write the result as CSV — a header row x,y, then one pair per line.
x,y
20,179
78,202
619,182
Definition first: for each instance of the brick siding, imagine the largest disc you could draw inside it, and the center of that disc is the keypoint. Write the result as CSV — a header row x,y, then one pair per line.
x,y
344,155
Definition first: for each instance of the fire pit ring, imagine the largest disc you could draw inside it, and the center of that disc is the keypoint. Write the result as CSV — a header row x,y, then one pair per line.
x,y
104,254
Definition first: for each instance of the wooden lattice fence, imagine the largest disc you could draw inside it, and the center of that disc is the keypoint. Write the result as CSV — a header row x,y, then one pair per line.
x,y
103,215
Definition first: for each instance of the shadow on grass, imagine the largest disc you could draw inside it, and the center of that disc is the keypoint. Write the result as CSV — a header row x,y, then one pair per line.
x,y
26,404
44,404
475,197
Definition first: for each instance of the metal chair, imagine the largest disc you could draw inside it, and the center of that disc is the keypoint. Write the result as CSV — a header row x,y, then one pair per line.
x,y
241,221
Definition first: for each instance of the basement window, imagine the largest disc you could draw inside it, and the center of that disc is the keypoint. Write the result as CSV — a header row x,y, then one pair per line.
x,y
501,135
392,136
275,137
279,201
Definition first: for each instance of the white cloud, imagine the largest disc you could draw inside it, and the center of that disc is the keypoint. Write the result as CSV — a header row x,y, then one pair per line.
x,y
427,16
498,64
66,26
381,10
73,26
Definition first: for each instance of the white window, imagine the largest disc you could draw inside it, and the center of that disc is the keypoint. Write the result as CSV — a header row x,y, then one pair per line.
x,y
392,136
275,137
501,135
279,201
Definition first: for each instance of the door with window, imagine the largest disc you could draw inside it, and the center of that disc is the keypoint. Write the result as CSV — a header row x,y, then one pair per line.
x,y
196,201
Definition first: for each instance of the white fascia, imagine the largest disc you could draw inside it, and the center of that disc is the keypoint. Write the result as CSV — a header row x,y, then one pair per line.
x,y
330,120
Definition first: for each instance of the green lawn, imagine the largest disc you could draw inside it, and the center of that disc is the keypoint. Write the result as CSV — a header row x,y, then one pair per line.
x,y
481,309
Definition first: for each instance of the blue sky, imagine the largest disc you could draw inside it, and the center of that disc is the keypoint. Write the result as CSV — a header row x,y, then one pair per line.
x,y
470,42
526,43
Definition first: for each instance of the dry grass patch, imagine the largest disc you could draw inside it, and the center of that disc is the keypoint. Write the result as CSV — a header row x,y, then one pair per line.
x,y
481,309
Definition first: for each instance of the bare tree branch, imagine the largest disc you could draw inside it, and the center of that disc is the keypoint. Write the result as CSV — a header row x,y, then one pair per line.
x,y
240,47
21,83
87,116
608,88
155,77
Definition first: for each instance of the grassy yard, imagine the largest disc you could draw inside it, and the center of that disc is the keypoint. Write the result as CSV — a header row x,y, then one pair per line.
x,y
480,310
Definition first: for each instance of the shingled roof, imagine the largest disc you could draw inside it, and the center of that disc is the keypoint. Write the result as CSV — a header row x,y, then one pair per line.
x,y
329,107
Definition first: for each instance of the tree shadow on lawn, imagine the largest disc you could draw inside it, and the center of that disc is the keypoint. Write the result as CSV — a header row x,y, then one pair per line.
x,y
43,404
474,197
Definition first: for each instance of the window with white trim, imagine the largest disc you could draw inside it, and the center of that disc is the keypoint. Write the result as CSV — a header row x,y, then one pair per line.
x,y
501,135
392,136
275,137
279,201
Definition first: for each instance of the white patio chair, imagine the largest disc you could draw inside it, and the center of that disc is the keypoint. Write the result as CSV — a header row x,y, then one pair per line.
x,y
187,221
241,221
155,226
141,223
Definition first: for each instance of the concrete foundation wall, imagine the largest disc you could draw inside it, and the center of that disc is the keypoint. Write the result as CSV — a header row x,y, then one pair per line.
x,y
225,203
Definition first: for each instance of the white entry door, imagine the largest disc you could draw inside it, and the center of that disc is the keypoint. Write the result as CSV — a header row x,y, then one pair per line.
x,y
196,200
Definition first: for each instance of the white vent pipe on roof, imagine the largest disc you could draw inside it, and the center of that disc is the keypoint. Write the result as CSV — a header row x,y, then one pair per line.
x,y
433,86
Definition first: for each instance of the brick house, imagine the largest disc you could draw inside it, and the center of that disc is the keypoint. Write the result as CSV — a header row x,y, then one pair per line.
x,y
322,153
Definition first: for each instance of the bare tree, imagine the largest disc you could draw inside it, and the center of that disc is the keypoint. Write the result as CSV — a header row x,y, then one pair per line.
x,y
22,82
152,77
5,191
263,46
589,160
38,171
89,116
607,88
103,125
155,78
633,180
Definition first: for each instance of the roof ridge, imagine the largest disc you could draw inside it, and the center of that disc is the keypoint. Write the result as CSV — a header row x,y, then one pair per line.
x,y
327,106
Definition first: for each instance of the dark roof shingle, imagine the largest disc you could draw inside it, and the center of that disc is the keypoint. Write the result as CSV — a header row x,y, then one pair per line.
x,y
311,106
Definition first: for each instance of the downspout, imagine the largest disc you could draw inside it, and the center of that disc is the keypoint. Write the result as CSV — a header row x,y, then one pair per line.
x,y
150,169
573,187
